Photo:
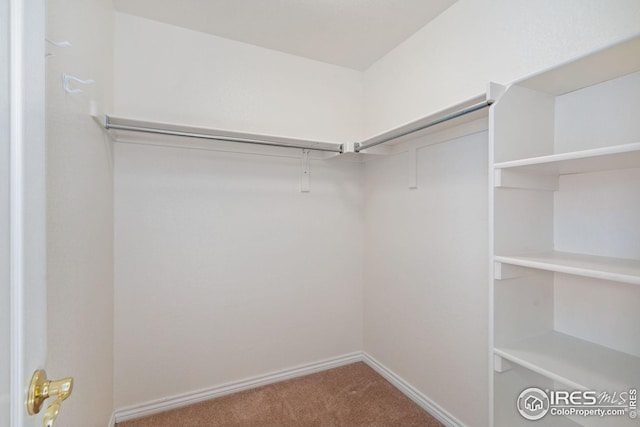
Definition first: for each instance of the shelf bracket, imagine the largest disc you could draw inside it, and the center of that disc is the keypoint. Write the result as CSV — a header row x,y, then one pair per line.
x,y
500,364
305,171
413,168
510,179
502,271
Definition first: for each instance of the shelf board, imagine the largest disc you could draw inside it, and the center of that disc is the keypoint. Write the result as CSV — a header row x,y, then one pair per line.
x,y
598,159
577,73
507,386
574,362
406,131
139,131
615,269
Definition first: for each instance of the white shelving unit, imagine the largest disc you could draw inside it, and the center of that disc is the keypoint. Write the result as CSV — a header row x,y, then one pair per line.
x,y
565,232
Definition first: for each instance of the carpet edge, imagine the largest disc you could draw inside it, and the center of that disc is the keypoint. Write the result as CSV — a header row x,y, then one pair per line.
x,y
189,398
178,401
412,393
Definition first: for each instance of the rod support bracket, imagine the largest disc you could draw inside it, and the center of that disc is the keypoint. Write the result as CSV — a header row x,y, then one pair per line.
x,y
305,171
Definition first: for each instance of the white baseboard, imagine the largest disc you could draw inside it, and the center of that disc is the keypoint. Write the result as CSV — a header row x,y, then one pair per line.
x,y
112,421
185,399
412,393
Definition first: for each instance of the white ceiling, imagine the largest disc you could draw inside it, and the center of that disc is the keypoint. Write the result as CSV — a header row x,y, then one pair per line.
x,y
350,33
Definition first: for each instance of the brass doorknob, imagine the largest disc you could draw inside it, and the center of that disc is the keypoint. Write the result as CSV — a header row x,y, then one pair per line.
x,y
41,388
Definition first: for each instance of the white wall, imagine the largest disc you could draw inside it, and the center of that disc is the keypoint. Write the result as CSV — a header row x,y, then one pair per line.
x,y
477,41
425,275
80,212
225,270
167,73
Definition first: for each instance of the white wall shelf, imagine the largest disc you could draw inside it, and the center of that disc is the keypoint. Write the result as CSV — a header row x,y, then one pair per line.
x,y
138,131
594,160
574,362
406,132
609,63
605,268
509,384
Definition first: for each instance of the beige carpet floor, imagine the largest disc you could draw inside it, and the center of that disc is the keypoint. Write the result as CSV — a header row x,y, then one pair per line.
x,y
348,396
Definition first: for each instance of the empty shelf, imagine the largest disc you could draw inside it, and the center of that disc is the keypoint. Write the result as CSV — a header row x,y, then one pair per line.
x,y
172,130
598,159
618,270
507,386
574,362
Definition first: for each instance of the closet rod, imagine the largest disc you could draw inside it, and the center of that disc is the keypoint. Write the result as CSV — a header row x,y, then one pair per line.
x,y
479,106
109,125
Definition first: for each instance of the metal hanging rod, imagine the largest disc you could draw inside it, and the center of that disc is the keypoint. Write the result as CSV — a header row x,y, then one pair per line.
x,y
109,125
479,106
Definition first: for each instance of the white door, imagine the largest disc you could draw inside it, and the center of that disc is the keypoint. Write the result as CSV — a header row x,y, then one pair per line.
x,y
4,216
22,206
